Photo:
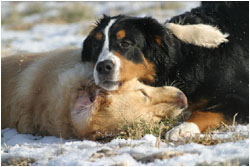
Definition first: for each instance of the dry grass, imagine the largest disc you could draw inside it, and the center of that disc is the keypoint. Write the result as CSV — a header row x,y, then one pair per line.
x,y
209,139
17,161
139,129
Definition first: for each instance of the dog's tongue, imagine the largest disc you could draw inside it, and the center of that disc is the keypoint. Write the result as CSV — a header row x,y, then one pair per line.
x,y
83,101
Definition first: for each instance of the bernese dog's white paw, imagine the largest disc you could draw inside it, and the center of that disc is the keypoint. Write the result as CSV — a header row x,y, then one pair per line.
x,y
183,131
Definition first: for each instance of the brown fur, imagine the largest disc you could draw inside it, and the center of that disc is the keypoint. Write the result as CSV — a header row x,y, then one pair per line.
x,y
98,36
41,94
121,34
158,40
205,120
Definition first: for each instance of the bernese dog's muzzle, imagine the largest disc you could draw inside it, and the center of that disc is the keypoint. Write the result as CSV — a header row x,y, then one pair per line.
x,y
106,73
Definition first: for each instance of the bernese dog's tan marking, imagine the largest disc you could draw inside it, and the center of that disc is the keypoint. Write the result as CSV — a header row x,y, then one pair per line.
x,y
206,120
158,40
121,34
98,36
199,122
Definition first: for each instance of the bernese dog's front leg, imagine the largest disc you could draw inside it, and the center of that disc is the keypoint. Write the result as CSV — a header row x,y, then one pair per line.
x,y
198,122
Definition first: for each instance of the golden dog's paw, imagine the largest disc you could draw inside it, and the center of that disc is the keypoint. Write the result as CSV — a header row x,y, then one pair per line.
x,y
183,131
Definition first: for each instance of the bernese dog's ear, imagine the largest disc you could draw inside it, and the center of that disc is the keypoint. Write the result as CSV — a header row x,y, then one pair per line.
x,y
198,34
156,35
87,49
101,20
86,53
150,27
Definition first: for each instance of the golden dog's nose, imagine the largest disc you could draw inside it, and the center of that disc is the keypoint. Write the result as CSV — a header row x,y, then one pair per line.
x,y
182,100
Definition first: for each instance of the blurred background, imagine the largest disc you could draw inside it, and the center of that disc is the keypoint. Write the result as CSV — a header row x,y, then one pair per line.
x,y
44,26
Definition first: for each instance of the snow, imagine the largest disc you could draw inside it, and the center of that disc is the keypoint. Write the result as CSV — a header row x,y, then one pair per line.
x,y
51,150
44,37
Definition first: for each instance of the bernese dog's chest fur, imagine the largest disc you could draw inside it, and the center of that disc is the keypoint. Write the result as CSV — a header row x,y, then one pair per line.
x,y
213,78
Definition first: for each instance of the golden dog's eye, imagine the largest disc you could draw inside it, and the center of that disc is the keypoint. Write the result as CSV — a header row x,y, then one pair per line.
x,y
146,97
144,93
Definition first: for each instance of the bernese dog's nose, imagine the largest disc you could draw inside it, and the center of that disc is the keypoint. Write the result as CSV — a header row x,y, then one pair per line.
x,y
105,67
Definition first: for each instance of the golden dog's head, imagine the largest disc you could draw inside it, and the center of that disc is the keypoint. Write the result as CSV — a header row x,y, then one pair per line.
x,y
99,112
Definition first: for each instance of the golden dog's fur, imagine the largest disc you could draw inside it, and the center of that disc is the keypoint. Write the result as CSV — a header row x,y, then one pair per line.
x,y
54,94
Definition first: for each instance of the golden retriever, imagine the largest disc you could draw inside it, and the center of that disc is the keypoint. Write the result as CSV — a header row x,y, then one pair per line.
x,y
54,94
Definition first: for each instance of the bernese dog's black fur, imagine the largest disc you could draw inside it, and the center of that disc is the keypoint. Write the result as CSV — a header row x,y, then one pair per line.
x,y
218,76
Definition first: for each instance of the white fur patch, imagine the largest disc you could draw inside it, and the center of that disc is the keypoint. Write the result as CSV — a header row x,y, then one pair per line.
x,y
104,55
107,55
198,34
80,74
184,130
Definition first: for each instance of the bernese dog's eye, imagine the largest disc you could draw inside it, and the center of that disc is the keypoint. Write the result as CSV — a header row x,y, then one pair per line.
x,y
125,44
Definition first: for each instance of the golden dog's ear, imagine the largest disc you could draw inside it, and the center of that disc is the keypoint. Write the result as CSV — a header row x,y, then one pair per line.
x,y
198,34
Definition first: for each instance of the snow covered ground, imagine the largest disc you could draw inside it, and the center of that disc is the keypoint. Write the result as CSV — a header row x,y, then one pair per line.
x,y
55,151
43,37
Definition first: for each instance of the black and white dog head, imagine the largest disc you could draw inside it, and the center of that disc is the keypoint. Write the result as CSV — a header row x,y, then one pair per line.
x,y
123,48
119,46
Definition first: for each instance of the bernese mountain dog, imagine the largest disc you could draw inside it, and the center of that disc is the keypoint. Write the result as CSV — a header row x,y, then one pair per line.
x,y
203,52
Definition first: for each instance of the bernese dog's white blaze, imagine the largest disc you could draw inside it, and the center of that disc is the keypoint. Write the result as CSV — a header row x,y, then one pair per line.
x,y
106,54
